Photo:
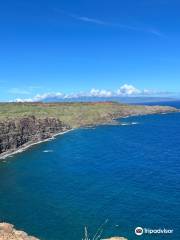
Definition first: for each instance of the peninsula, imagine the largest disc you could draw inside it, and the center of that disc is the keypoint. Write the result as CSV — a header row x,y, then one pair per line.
x,y
25,124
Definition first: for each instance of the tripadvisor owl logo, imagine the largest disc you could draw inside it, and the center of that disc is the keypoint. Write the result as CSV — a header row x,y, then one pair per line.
x,y
139,231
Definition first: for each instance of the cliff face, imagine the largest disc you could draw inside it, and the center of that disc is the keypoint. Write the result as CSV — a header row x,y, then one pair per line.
x,y
25,124
16,133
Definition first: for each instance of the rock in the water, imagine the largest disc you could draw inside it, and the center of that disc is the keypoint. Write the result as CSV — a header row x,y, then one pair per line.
x,y
7,232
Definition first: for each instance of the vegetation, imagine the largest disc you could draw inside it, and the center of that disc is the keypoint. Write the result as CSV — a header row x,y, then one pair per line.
x,y
75,114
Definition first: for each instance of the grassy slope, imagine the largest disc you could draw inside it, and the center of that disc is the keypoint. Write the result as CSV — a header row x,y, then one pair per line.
x,y
73,114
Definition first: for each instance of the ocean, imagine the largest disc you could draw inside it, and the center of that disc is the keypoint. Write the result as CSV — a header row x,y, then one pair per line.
x,y
128,174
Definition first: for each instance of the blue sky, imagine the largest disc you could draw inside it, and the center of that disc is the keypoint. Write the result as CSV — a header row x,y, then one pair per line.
x,y
75,46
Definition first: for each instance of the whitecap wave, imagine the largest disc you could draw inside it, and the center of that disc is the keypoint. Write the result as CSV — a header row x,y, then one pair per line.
x,y
125,124
129,123
134,123
48,151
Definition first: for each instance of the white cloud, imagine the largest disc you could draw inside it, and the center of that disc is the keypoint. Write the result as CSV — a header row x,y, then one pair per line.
x,y
125,90
128,90
22,100
100,93
41,97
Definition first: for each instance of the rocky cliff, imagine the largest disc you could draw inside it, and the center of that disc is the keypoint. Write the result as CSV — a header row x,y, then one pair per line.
x,y
17,133
24,124
8,232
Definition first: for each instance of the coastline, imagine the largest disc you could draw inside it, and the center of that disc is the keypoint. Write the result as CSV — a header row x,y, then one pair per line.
x,y
9,154
112,121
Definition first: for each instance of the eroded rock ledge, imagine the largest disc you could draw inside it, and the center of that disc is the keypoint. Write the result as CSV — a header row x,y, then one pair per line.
x,y
8,232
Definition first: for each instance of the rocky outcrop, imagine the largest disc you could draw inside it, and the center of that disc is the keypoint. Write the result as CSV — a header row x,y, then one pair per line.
x,y
17,133
8,232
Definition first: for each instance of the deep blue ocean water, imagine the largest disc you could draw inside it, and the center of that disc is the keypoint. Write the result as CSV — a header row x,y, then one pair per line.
x,y
129,174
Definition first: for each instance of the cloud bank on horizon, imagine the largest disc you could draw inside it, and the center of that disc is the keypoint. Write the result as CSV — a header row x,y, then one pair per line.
x,y
125,90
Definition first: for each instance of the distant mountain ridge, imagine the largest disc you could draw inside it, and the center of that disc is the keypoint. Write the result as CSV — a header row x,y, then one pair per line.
x,y
117,99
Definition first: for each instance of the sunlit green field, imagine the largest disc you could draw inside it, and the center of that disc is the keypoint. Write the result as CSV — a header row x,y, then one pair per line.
x,y
73,114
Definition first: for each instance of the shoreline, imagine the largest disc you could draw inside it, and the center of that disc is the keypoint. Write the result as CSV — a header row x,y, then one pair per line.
x,y
31,144
113,121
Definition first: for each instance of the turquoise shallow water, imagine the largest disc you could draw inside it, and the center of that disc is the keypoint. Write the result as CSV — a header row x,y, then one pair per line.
x,y
129,174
